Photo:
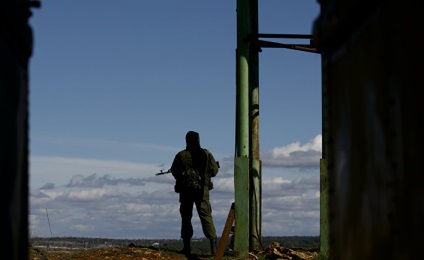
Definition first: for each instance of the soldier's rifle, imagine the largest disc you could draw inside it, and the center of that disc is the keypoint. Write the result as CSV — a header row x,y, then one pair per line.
x,y
169,171
162,172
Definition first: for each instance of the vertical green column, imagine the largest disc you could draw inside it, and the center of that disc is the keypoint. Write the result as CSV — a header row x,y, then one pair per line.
x,y
241,162
254,153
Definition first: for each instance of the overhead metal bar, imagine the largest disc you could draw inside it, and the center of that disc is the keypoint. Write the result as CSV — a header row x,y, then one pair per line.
x,y
298,47
254,38
286,36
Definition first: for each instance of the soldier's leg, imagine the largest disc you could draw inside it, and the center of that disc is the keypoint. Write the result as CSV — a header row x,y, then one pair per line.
x,y
204,210
186,211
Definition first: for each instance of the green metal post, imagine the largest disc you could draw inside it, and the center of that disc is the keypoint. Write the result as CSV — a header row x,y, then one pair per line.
x,y
241,162
255,165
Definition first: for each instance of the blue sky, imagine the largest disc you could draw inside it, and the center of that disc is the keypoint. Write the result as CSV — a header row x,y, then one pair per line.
x,y
115,86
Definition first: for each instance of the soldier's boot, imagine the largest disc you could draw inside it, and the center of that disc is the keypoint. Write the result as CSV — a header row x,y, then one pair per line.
x,y
187,247
212,242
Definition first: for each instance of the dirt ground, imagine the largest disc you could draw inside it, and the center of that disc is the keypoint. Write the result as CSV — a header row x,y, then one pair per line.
x,y
121,253
273,251
115,253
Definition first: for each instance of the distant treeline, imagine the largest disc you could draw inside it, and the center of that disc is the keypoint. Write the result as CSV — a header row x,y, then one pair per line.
x,y
199,245
293,241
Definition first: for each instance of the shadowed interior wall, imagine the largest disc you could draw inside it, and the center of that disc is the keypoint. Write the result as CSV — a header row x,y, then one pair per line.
x,y
373,71
15,51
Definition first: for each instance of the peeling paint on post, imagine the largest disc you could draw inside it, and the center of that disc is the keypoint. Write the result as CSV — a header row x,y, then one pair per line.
x,y
255,189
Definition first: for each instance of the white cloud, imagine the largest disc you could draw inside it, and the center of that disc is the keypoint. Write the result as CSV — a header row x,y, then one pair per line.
x,y
56,169
295,154
87,195
314,144
84,228
48,186
78,164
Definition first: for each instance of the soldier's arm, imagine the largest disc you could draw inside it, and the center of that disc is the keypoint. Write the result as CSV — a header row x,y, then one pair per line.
x,y
213,166
176,167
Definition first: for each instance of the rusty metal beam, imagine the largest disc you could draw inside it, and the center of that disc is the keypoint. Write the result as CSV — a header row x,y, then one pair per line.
x,y
298,47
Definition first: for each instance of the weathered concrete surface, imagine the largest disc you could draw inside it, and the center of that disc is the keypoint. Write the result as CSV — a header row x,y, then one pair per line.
x,y
15,50
373,73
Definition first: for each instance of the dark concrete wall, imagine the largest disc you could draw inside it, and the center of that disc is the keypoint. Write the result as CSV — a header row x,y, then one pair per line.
x,y
372,66
15,50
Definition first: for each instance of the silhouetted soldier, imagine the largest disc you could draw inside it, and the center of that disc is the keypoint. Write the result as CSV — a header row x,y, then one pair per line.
x,y
192,169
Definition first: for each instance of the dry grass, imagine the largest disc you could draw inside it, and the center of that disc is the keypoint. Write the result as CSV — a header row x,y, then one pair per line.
x,y
116,253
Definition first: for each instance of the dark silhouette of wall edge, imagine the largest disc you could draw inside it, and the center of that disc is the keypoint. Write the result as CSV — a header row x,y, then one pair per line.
x,y
15,51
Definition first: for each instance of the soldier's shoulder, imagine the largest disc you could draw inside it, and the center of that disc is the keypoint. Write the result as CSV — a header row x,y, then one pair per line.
x,y
182,153
207,151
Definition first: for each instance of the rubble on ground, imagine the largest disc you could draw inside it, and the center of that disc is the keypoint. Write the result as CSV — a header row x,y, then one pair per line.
x,y
275,251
